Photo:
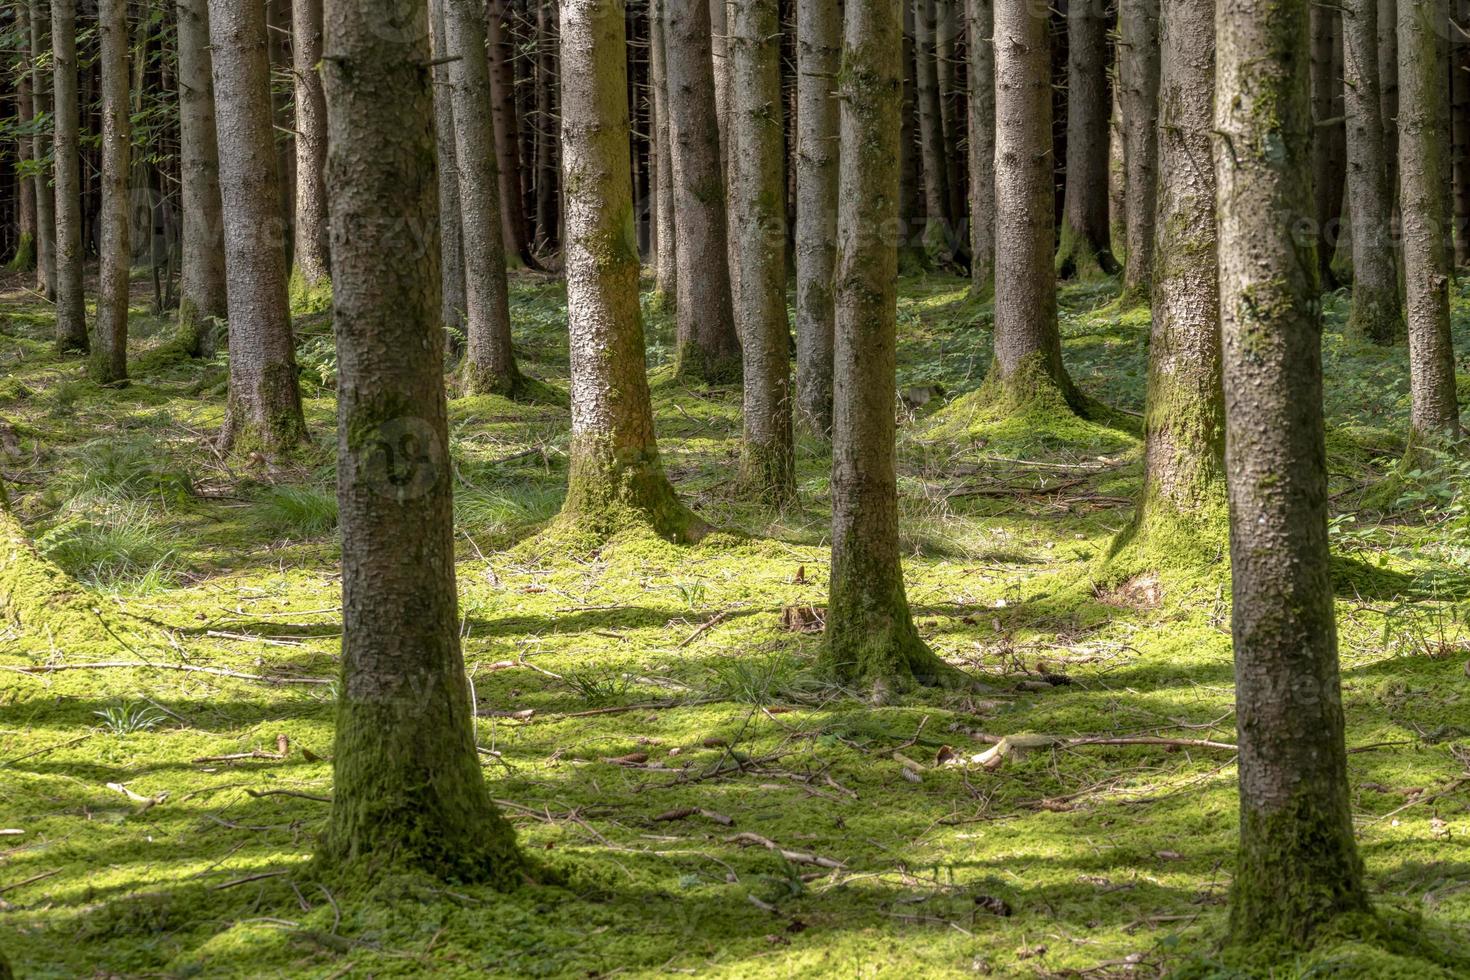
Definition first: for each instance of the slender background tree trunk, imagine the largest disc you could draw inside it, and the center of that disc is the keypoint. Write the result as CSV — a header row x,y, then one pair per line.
x,y
979,17
71,310
109,363
310,264
451,240
202,291
1139,77
1085,249
819,55
40,25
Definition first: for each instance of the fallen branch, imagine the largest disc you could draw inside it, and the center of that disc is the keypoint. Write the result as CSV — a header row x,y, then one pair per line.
x,y
695,811
31,880
795,857
248,879
259,793
709,624
283,749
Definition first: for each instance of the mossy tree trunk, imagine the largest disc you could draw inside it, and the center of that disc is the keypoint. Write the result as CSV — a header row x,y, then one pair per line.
x,y
265,397
708,346
109,361
451,241
40,28
758,213
667,259
1028,345
1424,160
408,789
979,15
1328,153
1138,23
202,292
71,308
819,55
1085,250
1184,419
1297,866
931,128
616,478
310,273
1377,312
490,365
871,639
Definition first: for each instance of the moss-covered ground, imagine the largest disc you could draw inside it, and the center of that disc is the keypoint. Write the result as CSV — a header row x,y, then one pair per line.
x,y
621,686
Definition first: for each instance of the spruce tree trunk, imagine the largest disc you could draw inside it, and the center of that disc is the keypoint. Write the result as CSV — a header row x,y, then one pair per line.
x,y
1184,443
1460,127
1388,87
40,25
310,263
27,187
949,27
1028,345
870,637
615,474
507,135
451,236
265,397
548,161
708,346
490,366
71,309
910,158
408,791
979,17
758,213
819,56
1139,77
1376,312
667,270
1297,865
1085,249
1423,198
1327,153
719,20
931,129
202,292
109,361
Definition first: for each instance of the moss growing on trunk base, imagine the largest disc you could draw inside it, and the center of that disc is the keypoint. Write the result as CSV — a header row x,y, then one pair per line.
x,y
608,492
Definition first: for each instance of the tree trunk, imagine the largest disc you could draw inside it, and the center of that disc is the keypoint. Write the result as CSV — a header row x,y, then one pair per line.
x,y
1139,68
71,308
507,135
408,790
819,57
1388,85
667,273
27,186
931,130
45,195
265,399
758,209
1376,310
949,28
490,366
1327,146
310,275
109,361
1184,421
1085,250
719,32
548,161
1028,345
1423,197
1460,98
979,17
871,639
202,294
616,477
1297,865
910,158
708,347
452,288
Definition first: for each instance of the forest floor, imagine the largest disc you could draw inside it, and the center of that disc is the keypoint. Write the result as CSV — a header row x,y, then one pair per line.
x,y
653,725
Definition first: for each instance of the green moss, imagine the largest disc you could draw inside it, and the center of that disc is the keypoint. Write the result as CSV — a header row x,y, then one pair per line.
x,y
24,258
308,298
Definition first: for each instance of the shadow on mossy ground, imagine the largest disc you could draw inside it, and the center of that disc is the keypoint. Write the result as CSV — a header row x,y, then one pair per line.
x,y
1109,860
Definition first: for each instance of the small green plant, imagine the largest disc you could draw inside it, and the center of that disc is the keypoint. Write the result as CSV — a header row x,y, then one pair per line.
x,y
132,468
110,545
692,593
297,511
599,686
121,719
756,679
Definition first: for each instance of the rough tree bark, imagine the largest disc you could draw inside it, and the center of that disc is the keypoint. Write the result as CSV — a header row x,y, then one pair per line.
x,y
507,135
871,639
109,361
451,236
202,294
1086,250
931,129
548,160
1139,78
1376,311
71,309
1297,866
979,15
310,275
265,397
615,474
40,25
408,791
1388,85
1424,200
758,213
819,56
667,271
1327,146
1184,418
1460,127
708,346
490,365
27,185
1028,345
